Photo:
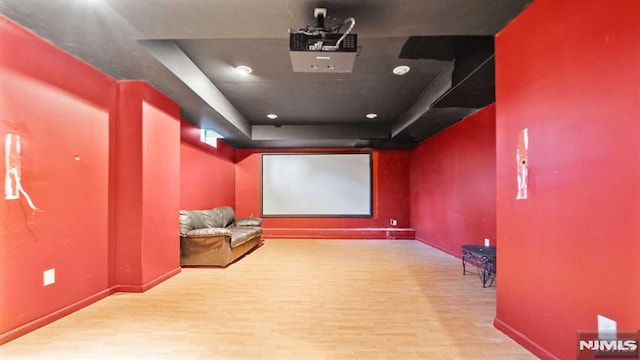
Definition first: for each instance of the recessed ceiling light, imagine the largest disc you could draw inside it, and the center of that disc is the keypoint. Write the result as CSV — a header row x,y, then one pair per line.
x,y
372,116
272,116
244,69
401,70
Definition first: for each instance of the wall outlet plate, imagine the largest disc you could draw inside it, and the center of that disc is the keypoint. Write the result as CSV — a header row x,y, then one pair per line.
x,y
49,277
607,328
393,222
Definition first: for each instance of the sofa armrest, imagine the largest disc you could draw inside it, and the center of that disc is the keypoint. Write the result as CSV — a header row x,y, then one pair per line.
x,y
208,232
250,221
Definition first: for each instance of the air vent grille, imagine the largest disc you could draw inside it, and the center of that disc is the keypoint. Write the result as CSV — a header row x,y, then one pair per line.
x,y
303,42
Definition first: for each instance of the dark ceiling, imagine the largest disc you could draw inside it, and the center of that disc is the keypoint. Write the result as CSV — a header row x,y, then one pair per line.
x,y
188,50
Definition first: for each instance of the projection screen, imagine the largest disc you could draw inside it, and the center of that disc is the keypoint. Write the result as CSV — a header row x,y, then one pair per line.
x,y
317,184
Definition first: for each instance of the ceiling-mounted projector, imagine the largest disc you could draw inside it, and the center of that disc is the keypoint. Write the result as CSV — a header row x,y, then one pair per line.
x,y
323,50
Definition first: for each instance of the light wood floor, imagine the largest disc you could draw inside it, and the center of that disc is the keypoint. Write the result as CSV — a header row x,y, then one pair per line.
x,y
292,299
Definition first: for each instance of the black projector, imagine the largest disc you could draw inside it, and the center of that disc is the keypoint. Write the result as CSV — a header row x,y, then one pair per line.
x,y
323,53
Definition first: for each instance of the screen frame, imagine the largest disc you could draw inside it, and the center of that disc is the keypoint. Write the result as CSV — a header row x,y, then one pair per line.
x,y
371,187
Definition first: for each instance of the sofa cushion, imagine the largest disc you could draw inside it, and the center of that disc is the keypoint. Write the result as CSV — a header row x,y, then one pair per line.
x,y
240,235
192,219
252,221
221,217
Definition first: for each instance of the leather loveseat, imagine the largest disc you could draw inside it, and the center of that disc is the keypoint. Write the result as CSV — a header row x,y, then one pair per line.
x,y
215,237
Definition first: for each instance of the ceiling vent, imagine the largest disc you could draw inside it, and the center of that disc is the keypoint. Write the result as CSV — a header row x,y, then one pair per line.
x,y
321,49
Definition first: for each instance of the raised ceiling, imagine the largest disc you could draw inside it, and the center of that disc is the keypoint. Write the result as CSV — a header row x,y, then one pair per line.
x,y
188,50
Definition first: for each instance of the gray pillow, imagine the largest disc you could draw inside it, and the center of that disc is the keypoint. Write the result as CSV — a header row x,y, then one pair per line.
x,y
251,221
192,220
222,216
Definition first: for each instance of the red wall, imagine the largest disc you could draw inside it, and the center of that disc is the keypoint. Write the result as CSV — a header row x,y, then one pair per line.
x,y
147,186
568,71
61,108
161,186
207,174
390,198
453,184
101,161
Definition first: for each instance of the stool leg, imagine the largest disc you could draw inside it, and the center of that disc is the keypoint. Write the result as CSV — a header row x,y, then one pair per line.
x,y
463,265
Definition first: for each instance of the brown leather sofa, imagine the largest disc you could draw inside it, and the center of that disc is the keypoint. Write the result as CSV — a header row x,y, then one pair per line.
x,y
215,237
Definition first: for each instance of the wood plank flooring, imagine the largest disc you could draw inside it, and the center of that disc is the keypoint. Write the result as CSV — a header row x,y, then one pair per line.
x,y
292,299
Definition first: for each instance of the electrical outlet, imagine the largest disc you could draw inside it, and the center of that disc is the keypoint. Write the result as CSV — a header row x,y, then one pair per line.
x,y
393,222
607,328
49,277
487,242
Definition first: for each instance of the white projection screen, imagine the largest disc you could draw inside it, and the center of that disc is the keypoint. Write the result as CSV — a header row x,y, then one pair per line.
x,y
316,184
